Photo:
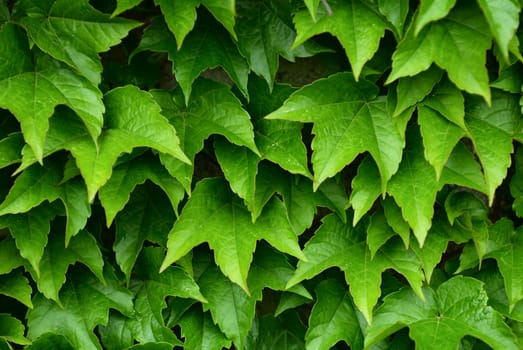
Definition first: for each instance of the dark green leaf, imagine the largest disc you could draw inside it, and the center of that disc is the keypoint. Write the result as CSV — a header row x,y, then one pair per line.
x,y
12,330
51,341
16,286
200,332
9,256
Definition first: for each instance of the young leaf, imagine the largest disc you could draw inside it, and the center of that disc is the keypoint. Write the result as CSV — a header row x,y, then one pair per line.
x,y
357,25
333,318
200,332
147,216
73,32
460,37
86,302
16,286
503,19
228,229
456,309
329,246
152,289
348,120
207,46
492,129
12,330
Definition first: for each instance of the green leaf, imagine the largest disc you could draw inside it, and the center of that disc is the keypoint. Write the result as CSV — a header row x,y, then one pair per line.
x,y
328,247
357,25
503,19
449,102
333,318
414,187
117,190
456,309
124,5
395,220
11,149
200,332
431,11
10,257
228,230
348,120
396,13
30,232
16,286
460,37
147,216
77,208
56,260
73,32
31,91
117,333
51,341
152,289
312,6
516,183
284,332
492,129
12,330
86,302
378,232
180,17
225,296
205,47
224,11
213,109
365,188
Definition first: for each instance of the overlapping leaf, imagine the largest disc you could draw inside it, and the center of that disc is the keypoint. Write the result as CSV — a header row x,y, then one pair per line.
x,y
201,333
348,120
12,330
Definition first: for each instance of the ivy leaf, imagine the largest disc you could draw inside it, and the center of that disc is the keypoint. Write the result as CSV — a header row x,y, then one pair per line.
x,y
207,46
357,25
224,11
431,11
152,289
45,84
224,296
117,333
503,19
213,109
48,341
56,260
378,232
449,102
228,230
180,17
125,177
456,309
124,5
16,286
395,220
200,332
73,33
460,37
86,302
10,258
147,216
328,247
396,13
492,129
348,120
414,187
77,209
516,183
12,330
30,232
366,188
11,149
333,318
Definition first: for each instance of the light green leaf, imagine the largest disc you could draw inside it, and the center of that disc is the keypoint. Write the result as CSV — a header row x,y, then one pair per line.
x,y
30,232
356,24
77,208
152,289
12,330
85,304
396,13
366,188
228,229
449,102
456,309
200,332
56,260
180,17
492,129
213,109
32,91
411,90
431,11
10,257
414,187
124,179
396,220
333,318
329,246
503,19
73,32
459,37
206,47
439,137
348,120
378,232
147,216
312,6
224,296
16,286
124,5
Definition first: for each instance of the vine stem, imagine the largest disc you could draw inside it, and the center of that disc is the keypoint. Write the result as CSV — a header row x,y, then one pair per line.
x,y
327,7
